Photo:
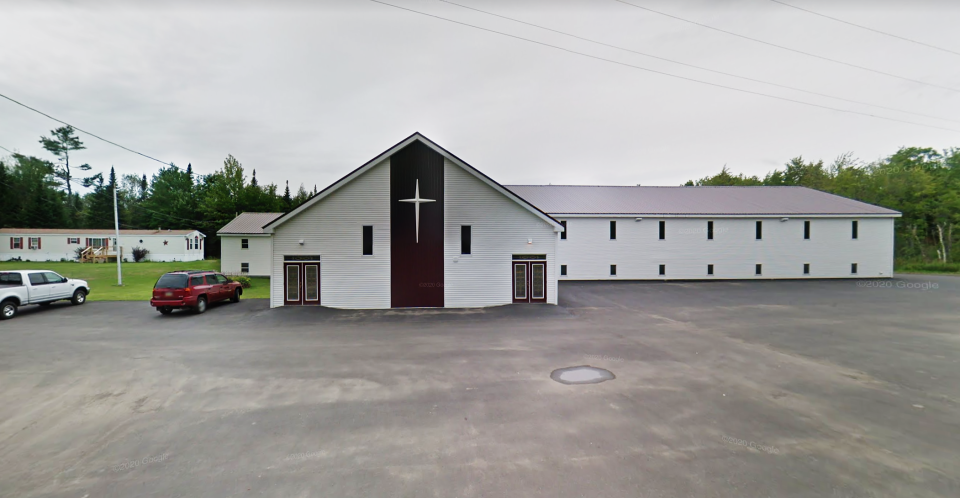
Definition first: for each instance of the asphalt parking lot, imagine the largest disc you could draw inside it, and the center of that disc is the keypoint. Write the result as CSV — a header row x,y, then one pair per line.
x,y
723,389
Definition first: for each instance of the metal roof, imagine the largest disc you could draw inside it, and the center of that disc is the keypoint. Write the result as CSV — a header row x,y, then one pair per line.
x,y
248,223
90,231
625,200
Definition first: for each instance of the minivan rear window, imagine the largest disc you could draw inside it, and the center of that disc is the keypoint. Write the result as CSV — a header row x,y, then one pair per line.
x,y
172,281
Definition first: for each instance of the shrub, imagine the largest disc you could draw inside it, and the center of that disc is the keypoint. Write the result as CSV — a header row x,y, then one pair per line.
x,y
244,280
77,253
140,254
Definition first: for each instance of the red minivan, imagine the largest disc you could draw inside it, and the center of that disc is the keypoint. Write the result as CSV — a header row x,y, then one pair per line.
x,y
194,289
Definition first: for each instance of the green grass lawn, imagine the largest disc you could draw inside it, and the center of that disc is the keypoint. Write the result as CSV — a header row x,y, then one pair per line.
x,y
138,278
928,268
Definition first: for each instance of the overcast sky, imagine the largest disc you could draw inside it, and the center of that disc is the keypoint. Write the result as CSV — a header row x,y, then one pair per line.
x,y
307,91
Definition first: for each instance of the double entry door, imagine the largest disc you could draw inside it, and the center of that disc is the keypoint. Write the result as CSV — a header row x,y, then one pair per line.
x,y
301,282
529,281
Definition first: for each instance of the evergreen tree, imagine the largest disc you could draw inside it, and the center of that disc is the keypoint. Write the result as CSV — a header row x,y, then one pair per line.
x,y
64,141
286,203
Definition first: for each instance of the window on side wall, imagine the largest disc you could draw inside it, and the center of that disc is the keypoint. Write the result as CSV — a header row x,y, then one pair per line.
x,y
663,270
709,269
663,230
806,230
368,240
759,230
613,270
563,270
613,230
563,234
466,239
244,267
16,242
854,229
244,243
34,243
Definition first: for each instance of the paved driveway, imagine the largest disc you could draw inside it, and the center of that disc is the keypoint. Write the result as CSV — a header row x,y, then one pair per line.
x,y
722,389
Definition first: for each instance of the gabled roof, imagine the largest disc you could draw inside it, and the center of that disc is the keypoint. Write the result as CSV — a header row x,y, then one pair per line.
x,y
248,224
268,228
91,231
690,201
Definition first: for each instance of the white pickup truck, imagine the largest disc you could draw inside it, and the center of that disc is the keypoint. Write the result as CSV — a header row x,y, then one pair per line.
x,y
22,287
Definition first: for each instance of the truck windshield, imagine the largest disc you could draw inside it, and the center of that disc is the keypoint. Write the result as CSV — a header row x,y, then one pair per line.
x,y
172,281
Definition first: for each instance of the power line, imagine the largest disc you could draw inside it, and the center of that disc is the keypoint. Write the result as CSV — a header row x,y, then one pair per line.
x,y
84,131
809,54
663,72
785,4
6,149
699,67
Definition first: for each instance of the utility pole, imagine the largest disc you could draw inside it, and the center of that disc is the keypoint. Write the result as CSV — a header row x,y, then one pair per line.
x,y
116,225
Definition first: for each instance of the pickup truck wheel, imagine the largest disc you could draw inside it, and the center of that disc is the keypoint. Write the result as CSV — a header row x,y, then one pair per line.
x,y
165,310
201,305
79,297
236,296
48,303
8,310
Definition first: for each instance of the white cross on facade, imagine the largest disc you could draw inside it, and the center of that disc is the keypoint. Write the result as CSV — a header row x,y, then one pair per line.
x,y
416,204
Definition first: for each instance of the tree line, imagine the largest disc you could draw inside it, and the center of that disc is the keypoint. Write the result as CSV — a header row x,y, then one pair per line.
x,y
921,183
42,193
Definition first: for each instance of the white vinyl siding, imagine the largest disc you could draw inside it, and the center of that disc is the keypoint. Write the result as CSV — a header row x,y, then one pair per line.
x,y
333,229
258,254
500,229
55,247
734,250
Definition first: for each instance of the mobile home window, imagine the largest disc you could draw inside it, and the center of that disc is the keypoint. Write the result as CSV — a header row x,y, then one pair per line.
x,y
663,230
759,269
244,267
368,240
563,270
709,269
613,270
759,230
853,268
563,234
244,243
806,230
854,229
663,270
806,268
709,230
34,243
98,242
613,230
466,236
16,242
73,240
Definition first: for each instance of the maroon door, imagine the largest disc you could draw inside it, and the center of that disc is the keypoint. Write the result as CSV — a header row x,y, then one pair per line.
x,y
529,281
301,283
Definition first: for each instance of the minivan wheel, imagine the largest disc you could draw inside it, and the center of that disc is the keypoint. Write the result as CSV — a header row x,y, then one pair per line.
x,y
8,310
201,305
236,296
79,297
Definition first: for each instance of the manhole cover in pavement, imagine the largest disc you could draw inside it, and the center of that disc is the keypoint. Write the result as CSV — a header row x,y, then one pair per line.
x,y
584,374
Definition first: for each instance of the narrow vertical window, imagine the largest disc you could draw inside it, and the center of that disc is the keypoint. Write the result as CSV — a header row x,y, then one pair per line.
x,y
854,229
466,238
244,243
759,230
663,230
368,240
759,269
613,230
806,230
806,268
613,270
563,234
663,270
853,268
709,269
244,267
563,270
709,230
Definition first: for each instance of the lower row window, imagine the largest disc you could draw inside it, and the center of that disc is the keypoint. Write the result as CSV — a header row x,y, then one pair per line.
x,y
244,267
613,270
563,270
